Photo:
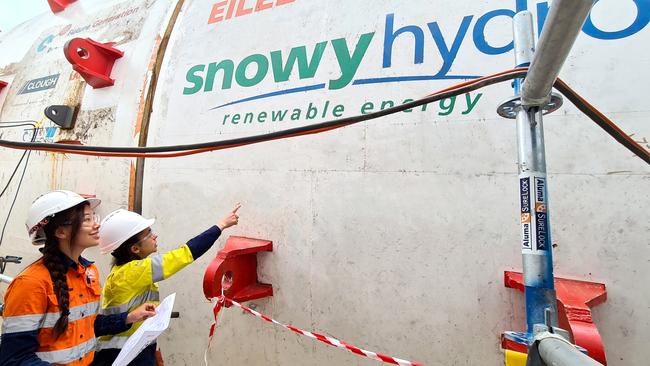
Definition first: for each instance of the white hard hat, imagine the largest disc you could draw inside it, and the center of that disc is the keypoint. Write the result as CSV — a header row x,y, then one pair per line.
x,y
118,227
47,205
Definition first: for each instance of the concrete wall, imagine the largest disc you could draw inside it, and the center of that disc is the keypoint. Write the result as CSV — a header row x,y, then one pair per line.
x,y
391,234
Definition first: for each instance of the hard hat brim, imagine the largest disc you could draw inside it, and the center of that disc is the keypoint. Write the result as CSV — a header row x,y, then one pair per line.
x,y
94,202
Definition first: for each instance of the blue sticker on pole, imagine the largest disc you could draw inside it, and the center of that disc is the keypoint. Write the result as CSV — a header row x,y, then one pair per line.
x,y
541,216
541,220
524,198
524,193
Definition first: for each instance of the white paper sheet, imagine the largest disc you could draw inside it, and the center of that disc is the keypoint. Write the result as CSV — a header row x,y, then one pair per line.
x,y
147,333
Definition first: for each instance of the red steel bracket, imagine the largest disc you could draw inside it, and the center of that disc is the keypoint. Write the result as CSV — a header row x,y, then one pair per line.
x,y
237,261
59,5
92,60
513,345
575,300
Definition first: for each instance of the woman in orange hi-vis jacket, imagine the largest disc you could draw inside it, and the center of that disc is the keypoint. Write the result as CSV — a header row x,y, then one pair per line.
x,y
50,314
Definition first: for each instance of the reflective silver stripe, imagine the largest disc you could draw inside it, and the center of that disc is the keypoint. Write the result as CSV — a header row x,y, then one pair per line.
x,y
76,313
22,323
157,268
68,355
115,342
25,323
138,300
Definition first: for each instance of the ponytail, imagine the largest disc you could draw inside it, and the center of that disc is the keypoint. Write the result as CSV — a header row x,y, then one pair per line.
x,y
123,254
53,260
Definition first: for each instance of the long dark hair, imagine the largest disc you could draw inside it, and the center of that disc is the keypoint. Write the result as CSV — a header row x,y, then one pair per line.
x,y
123,254
53,261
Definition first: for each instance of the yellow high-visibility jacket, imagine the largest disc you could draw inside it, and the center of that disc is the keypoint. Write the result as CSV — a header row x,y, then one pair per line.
x,y
135,283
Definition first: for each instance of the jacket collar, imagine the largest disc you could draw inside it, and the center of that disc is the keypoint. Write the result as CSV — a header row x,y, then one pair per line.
x,y
69,263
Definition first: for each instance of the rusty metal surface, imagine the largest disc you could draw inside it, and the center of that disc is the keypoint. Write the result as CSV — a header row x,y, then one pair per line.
x,y
106,116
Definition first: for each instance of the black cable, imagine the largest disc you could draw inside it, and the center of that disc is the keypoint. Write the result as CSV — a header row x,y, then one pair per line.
x,y
18,125
574,97
22,157
279,134
13,173
20,182
22,121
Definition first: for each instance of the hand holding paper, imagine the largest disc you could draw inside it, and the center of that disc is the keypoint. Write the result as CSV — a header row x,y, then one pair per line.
x,y
147,333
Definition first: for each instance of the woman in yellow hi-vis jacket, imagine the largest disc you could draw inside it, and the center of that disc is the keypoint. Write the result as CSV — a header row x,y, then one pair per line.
x,y
134,276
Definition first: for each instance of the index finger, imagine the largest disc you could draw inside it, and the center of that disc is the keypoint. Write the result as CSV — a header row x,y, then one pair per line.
x,y
237,207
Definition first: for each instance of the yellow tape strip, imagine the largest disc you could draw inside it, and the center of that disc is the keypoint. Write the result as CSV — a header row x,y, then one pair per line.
x,y
514,358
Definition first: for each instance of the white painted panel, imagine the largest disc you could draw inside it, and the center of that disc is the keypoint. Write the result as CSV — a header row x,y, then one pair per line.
x,y
394,234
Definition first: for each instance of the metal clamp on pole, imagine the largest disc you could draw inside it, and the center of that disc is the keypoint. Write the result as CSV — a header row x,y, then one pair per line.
x,y
562,26
551,349
3,265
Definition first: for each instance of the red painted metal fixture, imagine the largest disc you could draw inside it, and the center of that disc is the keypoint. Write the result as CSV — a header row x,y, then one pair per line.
x,y
234,270
59,5
92,60
575,300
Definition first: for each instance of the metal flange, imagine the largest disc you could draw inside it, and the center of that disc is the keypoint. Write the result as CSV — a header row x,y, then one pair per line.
x,y
511,106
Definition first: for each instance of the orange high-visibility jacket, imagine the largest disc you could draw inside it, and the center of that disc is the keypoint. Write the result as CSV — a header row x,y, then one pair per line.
x,y
32,309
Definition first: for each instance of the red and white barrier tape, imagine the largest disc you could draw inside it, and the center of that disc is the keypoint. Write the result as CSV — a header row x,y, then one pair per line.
x,y
221,301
